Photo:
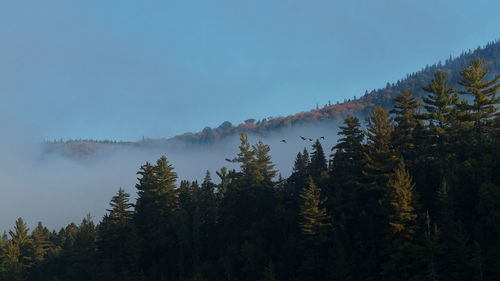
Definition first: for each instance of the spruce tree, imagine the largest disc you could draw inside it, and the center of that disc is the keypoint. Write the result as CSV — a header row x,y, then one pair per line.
x,y
346,167
120,212
155,217
318,168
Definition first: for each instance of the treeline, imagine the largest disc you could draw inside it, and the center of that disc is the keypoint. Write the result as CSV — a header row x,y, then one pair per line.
x,y
357,106
413,196
360,107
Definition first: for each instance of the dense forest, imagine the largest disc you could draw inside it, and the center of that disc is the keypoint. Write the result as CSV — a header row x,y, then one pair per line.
x,y
413,194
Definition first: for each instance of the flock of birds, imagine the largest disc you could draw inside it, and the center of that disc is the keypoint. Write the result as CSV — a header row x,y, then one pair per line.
x,y
305,138
283,141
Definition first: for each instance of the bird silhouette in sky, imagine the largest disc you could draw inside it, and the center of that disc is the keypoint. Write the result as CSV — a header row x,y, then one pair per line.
x,y
283,141
310,139
303,138
322,137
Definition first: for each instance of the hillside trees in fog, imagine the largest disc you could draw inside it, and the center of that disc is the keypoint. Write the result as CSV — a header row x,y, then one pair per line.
x,y
413,196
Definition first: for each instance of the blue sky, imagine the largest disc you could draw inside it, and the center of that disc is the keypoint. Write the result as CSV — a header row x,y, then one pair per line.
x,y
126,69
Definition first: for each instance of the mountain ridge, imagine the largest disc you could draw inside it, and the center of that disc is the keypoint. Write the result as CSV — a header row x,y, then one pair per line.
x,y
359,107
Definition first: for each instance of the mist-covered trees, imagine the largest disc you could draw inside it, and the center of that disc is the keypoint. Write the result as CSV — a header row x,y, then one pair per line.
x,y
413,196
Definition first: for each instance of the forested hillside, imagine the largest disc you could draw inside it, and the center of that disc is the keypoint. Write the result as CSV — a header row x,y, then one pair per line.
x,y
356,106
412,194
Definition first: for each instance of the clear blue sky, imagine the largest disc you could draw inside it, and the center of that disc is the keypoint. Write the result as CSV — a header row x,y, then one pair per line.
x,y
126,69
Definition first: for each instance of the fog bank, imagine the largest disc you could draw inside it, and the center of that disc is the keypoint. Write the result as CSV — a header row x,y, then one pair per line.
x,y
58,190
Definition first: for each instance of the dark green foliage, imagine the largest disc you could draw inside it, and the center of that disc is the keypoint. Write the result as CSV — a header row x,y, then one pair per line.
x,y
401,229
317,167
315,226
405,112
484,107
365,216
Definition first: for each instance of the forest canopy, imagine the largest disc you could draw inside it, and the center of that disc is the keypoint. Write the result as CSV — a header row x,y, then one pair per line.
x,y
412,195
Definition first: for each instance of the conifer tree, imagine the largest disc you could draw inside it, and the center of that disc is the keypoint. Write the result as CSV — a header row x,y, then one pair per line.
x,y
263,161
112,235
484,107
315,221
346,166
318,168
246,157
155,218
405,113
379,165
18,256
315,226
120,213
300,173
401,227
440,109
380,157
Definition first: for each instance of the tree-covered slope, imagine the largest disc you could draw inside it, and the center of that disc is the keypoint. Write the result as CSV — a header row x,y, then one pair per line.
x,y
334,113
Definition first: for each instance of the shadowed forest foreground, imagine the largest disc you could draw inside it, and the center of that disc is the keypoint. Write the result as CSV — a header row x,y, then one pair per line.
x,y
415,196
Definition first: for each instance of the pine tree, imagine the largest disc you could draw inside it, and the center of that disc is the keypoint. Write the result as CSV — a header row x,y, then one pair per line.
x,y
318,168
315,227
346,166
315,220
401,228
379,165
380,157
300,174
18,257
405,113
112,233
120,213
155,217
246,157
484,92
263,161
439,108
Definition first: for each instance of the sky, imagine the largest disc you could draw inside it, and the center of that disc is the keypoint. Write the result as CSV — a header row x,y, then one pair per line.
x,y
122,69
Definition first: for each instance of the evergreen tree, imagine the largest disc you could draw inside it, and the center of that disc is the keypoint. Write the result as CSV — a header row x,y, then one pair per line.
x,y
18,257
401,227
484,92
318,168
155,218
380,157
246,157
405,113
120,213
380,161
112,233
346,166
440,110
263,161
315,227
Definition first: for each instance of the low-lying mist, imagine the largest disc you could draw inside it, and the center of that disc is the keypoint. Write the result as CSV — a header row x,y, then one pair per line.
x,y
58,190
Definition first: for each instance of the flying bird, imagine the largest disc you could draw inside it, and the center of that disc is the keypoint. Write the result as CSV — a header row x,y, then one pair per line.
x,y
310,139
283,141
303,138
229,160
322,137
